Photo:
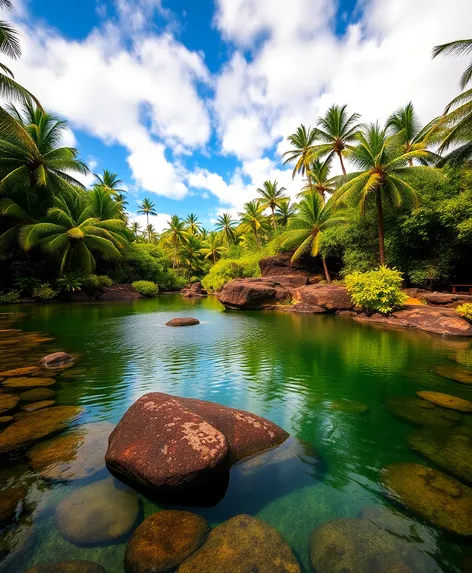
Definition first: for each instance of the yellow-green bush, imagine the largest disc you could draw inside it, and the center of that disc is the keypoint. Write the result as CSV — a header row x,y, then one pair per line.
x,y
146,288
226,269
465,310
376,291
44,292
11,297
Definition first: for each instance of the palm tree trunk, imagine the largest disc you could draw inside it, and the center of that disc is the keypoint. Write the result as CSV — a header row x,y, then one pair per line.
x,y
149,234
325,267
380,222
340,155
274,222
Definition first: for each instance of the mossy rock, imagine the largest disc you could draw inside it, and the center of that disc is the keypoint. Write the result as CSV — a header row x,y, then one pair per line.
x,y
450,449
98,513
6,419
34,406
164,540
11,500
447,401
358,546
36,425
240,545
31,382
74,373
455,373
8,402
23,371
436,497
37,395
348,406
421,412
78,455
75,566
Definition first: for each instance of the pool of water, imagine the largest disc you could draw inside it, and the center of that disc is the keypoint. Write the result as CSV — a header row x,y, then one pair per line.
x,y
324,379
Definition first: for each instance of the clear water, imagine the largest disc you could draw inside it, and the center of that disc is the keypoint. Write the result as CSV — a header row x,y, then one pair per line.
x,y
289,368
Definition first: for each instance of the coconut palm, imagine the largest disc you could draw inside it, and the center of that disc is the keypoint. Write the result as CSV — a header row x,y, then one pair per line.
x,y
302,142
305,230
457,48
204,234
272,196
384,173
193,224
151,232
212,247
68,233
147,208
110,182
100,205
175,235
190,253
227,227
318,178
135,229
336,131
30,156
285,212
252,220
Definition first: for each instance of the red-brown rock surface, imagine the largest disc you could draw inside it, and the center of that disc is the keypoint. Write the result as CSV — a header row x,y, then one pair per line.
x,y
119,292
328,297
253,294
183,322
195,290
168,443
55,359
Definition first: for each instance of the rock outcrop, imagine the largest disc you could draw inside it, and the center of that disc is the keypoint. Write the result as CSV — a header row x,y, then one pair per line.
x,y
253,294
168,444
118,292
439,298
195,290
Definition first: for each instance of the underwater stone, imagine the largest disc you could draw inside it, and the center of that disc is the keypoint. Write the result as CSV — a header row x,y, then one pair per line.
x,y
455,373
76,566
23,382
240,545
421,412
447,401
37,394
56,359
344,405
6,419
438,498
10,500
164,540
8,402
23,371
34,406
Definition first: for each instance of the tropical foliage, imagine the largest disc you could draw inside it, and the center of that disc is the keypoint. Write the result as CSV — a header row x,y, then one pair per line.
x,y
376,291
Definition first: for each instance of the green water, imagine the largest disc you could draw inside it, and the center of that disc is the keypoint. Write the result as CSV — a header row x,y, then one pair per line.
x,y
292,369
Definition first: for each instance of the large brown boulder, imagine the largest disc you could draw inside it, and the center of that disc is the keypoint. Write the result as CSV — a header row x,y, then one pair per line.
x,y
323,298
183,322
195,290
119,292
253,294
281,264
167,444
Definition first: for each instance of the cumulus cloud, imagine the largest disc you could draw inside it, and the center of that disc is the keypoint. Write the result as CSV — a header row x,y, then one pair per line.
x,y
159,222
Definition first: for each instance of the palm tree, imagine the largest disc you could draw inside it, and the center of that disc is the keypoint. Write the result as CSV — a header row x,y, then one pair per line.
x,y
272,196
193,224
302,142
29,152
384,173
190,252
227,227
252,219
285,212
110,182
318,178
306,228
203,234
336,132
457,48
212,247
10,46
68,233
147,208
151,232
175,235
100,205
135,229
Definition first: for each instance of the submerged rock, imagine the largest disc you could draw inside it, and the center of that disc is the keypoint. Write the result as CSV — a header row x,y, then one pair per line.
x,y
76,566
183,322
421,412
240,545
37,394
163,541
78,455
98,513
36,425
438,498
449,449
447,401
359,546
14,543
8,402
455,373
31,382
33,407
56,359
23,371
6,419
344,405
11,500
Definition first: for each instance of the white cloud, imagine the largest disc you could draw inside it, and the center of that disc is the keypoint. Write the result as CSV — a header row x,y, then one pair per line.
x,y
159,222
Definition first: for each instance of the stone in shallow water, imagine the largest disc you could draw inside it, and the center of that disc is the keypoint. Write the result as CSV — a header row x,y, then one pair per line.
x,y
436,497
14,543
455,373
241,545
421,412
10,503
447,401
6,419
23,382
56,359
348,545
343,405
78,455
73,373
183,322
449,449
77,566
37,394
164,540
23,371
98,513
8,402
33,407
36,425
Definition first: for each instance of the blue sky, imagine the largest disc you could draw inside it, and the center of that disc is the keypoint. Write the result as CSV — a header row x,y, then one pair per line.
x,y
190,102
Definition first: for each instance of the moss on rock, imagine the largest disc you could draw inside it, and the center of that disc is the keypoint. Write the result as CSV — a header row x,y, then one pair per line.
x,y
421,412
455,373
447,401
37,394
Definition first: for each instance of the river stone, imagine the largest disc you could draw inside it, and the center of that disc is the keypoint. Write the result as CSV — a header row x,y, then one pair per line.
x,y
450,449
6,419
455,373
343,405
36,425
349,545
8,402
34,406
23,382
436,497
98,513
164,540
421,412
23,371
78,455
240,545
183,322
37,394
447,401
15,543
76,566
55,359
10,500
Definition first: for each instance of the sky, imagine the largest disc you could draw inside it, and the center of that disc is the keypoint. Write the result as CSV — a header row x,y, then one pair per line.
x,y
190,102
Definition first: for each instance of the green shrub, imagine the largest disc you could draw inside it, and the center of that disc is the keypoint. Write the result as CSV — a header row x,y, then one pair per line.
x,y
44,292
146,288
376,291
68,283
97,281
226,269
465,310
11,297
27,284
